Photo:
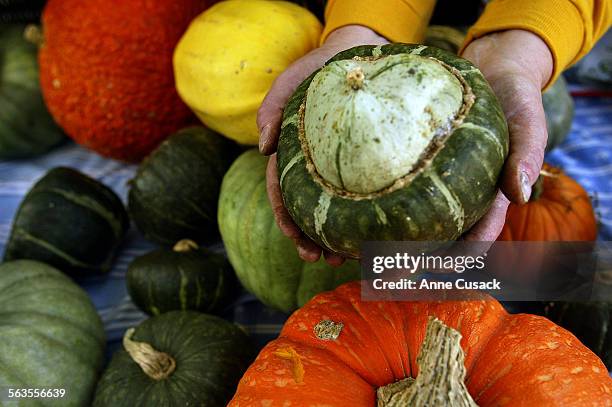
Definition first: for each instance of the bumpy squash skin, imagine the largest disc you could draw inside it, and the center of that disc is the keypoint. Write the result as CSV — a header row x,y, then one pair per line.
x,y
229,56
51,333
559,110
210,353
516,360
110,86
70,221
166,280
266,262
590,322
420,211
175,191
26,127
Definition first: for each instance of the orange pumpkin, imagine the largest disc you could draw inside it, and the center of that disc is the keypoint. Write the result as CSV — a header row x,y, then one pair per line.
x,y
106,71
340,351
559,210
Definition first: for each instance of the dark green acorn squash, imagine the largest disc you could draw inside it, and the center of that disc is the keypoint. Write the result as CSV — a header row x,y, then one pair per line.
x,y
26,127
183,278
266,262
559,110
175,191
180,358
394,142
70,221
51,335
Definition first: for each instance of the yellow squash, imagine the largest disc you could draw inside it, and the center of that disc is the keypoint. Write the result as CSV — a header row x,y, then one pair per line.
x,y
227,60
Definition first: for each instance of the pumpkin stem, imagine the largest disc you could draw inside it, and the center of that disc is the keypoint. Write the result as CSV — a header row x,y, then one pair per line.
x,y
355,78
441,379
157,365
33,33
185,245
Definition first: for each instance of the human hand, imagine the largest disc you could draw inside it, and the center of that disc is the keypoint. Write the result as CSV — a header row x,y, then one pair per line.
x,y
269,119
517,64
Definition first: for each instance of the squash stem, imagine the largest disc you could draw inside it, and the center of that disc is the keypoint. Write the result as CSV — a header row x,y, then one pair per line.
x,y
185,245
441,379
155,364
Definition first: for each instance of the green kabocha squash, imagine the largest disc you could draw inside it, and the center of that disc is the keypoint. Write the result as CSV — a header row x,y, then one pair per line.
x,y
180,358
185,277
175,192
26,127
559,110
52,337
444,37
266,262
393,142
70,221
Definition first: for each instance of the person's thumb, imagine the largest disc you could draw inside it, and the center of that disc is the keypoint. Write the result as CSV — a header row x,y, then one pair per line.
x,y
522,104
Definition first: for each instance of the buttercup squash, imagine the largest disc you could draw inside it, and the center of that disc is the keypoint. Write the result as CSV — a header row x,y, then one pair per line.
x,y
394,142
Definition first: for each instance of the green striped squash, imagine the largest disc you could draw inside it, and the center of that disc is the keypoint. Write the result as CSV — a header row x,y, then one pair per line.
x,y
394,142
26,127
180,358
52,337
185,277
70,221
175,191
266,262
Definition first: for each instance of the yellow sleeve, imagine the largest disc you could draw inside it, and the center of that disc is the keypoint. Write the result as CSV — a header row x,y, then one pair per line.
x,y
570,28
396,20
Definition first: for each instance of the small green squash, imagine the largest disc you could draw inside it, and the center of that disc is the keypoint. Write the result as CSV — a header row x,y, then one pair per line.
x,y
175,191
180,358
26,127
559,110
393,142
266,262
52,337
185,277
70,221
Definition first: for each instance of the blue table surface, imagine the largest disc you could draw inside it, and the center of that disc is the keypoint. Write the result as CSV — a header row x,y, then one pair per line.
x,y
586,155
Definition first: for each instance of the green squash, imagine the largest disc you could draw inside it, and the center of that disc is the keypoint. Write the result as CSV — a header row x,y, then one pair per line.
x,y
444,37
70,221
51,334
187,359
183,278
26,127
591,322
175,191
559,110
394,142
266,262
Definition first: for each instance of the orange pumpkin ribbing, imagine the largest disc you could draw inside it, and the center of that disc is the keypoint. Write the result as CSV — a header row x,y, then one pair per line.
x,y
518,360
106,71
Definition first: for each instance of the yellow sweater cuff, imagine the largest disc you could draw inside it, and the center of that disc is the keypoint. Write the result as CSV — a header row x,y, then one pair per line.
x,y
557,22
396,20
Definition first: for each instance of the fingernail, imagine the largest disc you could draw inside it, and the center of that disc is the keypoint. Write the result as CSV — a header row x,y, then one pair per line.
x,y
264,135
525,186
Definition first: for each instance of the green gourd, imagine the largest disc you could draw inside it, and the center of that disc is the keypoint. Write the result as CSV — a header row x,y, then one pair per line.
x,y
70,221
175,191
52,337
180,358
185,277
26,127
559,110
392,142
266,262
